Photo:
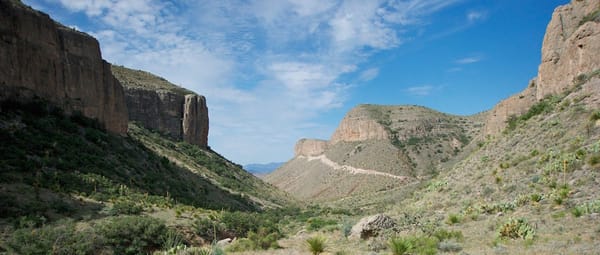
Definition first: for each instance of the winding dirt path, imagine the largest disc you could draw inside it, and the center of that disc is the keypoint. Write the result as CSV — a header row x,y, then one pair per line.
x,y
350,169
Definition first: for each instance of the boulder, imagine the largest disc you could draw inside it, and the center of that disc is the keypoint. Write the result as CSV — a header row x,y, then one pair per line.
x,y
372,226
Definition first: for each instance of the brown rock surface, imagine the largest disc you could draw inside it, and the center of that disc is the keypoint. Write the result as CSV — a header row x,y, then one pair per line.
x,y
571,48
160,105
195,120
357,125
310,147
372,226
39,57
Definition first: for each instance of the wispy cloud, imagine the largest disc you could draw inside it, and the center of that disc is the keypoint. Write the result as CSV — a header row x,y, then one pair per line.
x,y
468,60
473,16
420,90
268,68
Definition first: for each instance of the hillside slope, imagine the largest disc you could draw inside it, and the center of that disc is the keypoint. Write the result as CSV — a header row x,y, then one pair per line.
x,y
376,148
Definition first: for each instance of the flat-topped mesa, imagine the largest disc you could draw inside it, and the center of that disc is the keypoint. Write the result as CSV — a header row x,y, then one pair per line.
x,y
160,105
358,125
571,48
41,58
310,147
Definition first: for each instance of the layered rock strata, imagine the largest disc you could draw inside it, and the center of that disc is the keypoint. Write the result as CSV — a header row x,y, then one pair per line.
x,y
41,58
160,105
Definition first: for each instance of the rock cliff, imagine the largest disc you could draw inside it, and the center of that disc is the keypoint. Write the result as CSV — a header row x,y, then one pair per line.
x,y
570,49
374,148
160,105
357,125
41,58
310,147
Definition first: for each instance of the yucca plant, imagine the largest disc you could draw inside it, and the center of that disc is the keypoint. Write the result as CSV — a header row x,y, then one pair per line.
x,y
316,244
400,246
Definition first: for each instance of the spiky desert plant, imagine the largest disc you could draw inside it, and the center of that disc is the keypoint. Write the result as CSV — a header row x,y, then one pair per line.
x,y
400,246
316,244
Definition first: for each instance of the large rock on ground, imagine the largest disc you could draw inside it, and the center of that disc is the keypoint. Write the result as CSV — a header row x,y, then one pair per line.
x,y
372,226
41,58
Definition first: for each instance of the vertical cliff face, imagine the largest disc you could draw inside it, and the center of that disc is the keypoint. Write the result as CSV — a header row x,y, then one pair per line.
x,y
358,125
195,120
310,147
39,57
571,48
160,105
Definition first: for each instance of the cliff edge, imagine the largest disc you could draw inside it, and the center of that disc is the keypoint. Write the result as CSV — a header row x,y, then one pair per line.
x,y
160,105
41,58
569,54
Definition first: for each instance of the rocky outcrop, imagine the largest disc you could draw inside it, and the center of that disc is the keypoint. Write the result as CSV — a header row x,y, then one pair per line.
x,y
310,147
571,48
372,226
160,105
357,125
513,106
195,120
41,58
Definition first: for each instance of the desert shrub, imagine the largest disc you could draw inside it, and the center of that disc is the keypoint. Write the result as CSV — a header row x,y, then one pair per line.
x,y
443,234
126,207
535,197
318,223
209,229
263,239
316,244
242,244
453,219
133,234
62,238
449,246
413,245
593,16
400,246
517,228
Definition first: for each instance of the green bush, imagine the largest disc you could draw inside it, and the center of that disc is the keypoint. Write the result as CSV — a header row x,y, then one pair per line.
x,y
453,219
413,245
62,238
316,244
133,234
209,230
318,223
517,228
126,207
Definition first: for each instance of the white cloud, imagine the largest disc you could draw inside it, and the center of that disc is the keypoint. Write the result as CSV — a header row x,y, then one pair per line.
x,y
369,74
420,90
268,68
473,16
468,60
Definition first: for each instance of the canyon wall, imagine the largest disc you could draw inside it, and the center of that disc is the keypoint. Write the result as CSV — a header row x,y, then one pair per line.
x,y
160,105
41,58
570,49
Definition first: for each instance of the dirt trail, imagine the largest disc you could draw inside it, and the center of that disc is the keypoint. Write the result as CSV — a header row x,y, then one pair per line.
x,y
351,169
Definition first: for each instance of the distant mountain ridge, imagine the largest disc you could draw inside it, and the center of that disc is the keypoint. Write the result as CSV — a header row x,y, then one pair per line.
x,y
376,147
263,168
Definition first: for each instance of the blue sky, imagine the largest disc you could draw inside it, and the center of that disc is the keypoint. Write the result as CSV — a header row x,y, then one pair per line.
x,y
275,71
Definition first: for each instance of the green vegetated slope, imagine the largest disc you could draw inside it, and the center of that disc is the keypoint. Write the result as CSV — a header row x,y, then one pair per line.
x,y
418,142
141,79
72,183
532,189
